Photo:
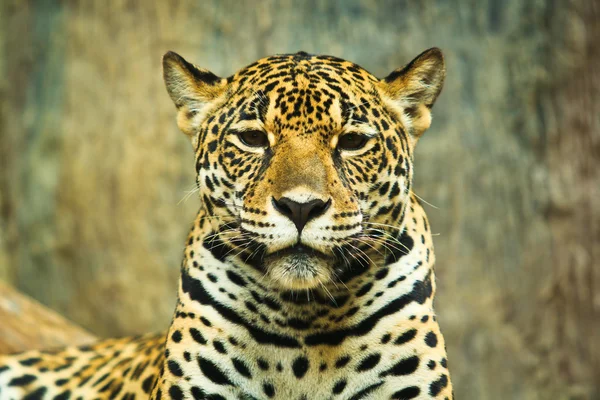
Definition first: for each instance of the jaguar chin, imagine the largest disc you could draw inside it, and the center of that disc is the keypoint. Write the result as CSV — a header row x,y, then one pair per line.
x,y
299,267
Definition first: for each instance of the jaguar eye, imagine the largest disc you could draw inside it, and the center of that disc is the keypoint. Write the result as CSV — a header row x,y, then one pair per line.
x,y
352,141
253,138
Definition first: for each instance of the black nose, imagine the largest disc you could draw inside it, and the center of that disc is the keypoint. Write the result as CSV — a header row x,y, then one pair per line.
x,y
300,213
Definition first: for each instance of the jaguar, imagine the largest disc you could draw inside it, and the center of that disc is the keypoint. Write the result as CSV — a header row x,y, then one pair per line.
x,y
308,272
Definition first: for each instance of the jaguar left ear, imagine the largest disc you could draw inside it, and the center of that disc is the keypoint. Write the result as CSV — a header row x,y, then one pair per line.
x,y
191,89
412,90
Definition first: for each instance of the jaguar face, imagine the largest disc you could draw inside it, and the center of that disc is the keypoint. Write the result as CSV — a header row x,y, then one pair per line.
x,y
304,162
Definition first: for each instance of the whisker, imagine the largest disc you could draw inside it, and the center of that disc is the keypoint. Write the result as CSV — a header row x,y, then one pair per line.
x,y
188,193
424,201
387,241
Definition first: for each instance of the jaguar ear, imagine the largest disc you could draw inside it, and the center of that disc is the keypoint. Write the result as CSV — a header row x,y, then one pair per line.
x,y
191,89
413,89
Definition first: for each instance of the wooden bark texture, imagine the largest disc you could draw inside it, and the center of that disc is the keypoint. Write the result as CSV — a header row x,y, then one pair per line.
x,y
93,169
26,325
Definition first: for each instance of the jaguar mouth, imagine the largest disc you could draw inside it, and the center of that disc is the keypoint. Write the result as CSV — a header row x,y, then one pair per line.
x,y
299,267
298,249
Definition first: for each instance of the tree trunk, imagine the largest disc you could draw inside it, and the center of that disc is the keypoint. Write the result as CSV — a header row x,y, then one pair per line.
x,y
27,325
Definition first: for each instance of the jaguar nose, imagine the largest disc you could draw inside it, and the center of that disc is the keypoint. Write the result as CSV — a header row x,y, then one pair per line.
x,y
301,213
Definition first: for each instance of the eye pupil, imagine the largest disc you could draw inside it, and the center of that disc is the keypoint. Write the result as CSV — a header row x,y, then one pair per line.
x,y
351,141
253,138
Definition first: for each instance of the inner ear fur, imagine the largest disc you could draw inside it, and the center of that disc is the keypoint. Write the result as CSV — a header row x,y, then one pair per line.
x,y
191,89
413,89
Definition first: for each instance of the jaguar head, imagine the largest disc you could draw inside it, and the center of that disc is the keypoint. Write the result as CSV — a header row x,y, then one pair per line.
x,y
304,163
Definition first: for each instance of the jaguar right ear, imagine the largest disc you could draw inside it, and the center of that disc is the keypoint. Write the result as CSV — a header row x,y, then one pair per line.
x,y
191,89
412,90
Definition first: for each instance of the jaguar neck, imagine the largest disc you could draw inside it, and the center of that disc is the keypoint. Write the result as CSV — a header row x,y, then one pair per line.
x,y
227,307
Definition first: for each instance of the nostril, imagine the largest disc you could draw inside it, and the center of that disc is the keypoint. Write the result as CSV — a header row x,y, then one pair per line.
x,y
318,208
282,207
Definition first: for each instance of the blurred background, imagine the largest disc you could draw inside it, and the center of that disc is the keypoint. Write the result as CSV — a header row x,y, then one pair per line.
x,y
93,171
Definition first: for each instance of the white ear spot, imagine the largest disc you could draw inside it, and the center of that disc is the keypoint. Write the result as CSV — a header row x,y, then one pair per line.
x,y
421,119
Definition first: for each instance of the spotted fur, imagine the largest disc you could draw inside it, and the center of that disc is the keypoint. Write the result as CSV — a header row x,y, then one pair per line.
x,y
308,273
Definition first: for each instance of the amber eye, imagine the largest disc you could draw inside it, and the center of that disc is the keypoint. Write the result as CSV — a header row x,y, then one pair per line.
x,y
352,141
253,138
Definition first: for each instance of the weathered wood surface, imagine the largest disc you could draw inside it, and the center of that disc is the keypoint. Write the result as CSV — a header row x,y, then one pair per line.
x,y
92,167
25,324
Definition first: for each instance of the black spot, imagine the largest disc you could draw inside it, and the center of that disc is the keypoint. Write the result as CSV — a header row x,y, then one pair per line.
x,y
407,393
250,306
212,146
22,380
364,289
198,393
339,386
299,324
300,366
262,364
431,364
436,386
148,384
66,395
128,396
176,336
174,368
272,304
212,372
236,278
422,290
369,362
384,125
382,273
395,190
431,339
444,363
342,362
30,361
219,397
205,321
386,338
403,367
106,386
175,392
425,318
37,394
362,394
60,382
218,345
241,367
384,188
115,391
209,184
197,336
268,389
